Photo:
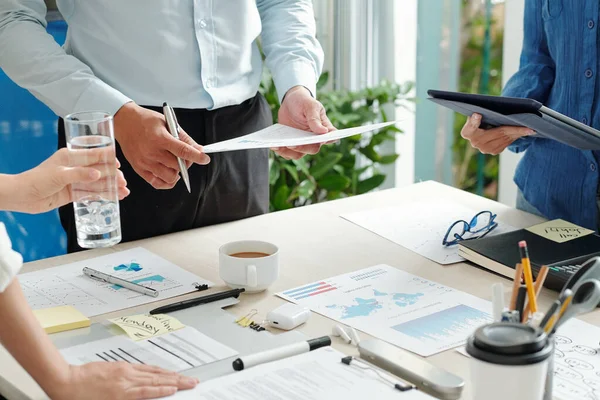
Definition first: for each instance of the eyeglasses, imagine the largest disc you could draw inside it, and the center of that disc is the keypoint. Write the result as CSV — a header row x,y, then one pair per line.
x,y
481,224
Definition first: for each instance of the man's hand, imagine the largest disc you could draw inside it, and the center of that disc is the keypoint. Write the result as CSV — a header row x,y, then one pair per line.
x,y
300,110
151,149
48,185
491,141
118,380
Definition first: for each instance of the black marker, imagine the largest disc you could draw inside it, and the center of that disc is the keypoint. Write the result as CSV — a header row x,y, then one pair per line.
x,y
197,301
281,352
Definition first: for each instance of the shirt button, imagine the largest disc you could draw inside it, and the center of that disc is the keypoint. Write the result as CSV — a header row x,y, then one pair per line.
x,y
591,24
584,120
208,84
202,23
593,167
588,73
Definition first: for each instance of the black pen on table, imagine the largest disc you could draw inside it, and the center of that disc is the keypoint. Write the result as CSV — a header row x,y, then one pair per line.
x,y
173,128
181,305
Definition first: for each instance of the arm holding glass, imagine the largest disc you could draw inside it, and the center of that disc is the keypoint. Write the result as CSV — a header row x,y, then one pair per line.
x,y
41,189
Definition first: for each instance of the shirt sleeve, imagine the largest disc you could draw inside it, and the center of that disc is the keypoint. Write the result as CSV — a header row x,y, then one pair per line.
x,y
10,261
535,76
33,60
293,53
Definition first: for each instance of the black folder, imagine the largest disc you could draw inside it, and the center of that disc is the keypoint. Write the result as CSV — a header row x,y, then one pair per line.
x,y
512,111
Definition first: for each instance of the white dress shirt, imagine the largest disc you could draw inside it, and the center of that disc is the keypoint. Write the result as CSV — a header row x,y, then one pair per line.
x,y
10,260
190,53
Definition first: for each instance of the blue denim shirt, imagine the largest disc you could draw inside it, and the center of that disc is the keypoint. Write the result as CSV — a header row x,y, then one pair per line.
x,y
559,67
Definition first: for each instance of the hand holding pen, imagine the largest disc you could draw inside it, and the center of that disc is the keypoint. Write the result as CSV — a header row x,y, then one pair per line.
x,y
151,149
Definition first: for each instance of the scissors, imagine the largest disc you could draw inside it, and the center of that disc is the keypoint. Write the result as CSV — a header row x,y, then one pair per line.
x,y
585,299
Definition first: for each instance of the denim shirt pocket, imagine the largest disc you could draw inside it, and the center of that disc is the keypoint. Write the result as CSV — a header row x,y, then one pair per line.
x,y
551,9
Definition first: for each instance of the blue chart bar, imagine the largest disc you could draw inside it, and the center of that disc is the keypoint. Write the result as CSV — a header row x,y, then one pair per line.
x,y
454,322
368,274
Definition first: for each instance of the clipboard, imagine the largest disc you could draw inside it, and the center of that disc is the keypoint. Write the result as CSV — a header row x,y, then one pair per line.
x,y
512,111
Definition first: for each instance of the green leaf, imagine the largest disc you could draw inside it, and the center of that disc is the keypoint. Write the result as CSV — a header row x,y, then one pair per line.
x,y
369,184
306,188
274,172
323,80
280,200
370,153
388,159
293,171
339,169
325,164
334,182
302,165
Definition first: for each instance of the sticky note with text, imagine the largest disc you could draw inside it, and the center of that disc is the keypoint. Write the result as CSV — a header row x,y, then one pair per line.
x,y
144,326
559,230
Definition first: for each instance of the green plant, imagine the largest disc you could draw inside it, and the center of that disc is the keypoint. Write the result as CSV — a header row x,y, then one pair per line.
x,y
464,156
343,169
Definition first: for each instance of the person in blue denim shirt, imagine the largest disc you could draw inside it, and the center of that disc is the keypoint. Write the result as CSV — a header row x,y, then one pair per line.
x,y
559,67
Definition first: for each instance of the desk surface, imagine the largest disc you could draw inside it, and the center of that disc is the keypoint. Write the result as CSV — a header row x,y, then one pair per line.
x,y
315,243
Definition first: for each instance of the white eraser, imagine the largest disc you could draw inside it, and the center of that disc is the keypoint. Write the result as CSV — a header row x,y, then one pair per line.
x,y
288,316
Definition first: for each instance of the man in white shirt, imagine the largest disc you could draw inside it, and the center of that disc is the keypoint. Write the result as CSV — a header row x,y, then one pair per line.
x,y
202,58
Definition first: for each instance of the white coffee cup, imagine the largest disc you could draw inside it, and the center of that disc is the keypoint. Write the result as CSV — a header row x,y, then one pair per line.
x,y
508,361
241,265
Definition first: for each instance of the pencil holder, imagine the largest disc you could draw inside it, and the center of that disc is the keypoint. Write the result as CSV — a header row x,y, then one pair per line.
x,y
550,373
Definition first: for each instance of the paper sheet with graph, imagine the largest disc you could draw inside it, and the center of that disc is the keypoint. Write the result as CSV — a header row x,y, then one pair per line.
x,y
408,311
67,285
284,136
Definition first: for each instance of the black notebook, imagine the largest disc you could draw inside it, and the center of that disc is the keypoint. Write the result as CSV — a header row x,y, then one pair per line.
x,y
511,111
500,253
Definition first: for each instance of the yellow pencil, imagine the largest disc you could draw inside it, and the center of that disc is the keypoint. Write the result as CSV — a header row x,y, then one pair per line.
x,y
539,283
528,276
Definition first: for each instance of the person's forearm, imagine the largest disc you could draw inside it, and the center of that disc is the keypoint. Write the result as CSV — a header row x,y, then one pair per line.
x,y
9,187
34,61
24,338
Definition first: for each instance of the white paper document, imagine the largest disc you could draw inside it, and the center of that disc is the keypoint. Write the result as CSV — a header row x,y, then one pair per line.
x,y
577,361
67,285
284,136
405,310
176,351
421,227
317,375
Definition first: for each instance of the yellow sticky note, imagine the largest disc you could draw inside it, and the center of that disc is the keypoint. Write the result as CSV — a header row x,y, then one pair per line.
x,y
559,230
59,319
144,326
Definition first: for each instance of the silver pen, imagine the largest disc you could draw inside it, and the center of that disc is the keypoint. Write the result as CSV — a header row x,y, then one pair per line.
x,y
101,276
173,128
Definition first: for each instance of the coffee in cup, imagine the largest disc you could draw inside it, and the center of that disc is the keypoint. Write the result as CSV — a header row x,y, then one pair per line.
x,y
249,264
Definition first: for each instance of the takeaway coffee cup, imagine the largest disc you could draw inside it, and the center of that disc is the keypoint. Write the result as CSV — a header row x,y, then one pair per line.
x,y
509,361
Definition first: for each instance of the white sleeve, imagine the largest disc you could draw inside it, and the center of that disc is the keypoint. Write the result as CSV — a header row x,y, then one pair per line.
x,y
34,61
10,260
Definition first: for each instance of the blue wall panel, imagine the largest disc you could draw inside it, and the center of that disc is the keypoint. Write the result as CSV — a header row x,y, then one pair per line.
x,y
27,137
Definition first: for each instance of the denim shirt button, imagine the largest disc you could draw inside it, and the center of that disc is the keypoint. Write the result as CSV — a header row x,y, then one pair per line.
x,y
584,120
593,167
588,73
591,24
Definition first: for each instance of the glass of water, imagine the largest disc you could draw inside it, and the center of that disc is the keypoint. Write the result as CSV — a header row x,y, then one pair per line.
x,y
91,142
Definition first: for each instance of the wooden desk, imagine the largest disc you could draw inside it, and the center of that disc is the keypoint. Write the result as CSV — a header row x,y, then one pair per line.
x,y
315,243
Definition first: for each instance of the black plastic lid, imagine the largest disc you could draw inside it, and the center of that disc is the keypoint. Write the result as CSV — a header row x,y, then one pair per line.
x,y
509,344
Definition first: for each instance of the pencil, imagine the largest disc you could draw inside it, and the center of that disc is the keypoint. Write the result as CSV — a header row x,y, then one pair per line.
x,y
528,275
539,284
516,284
